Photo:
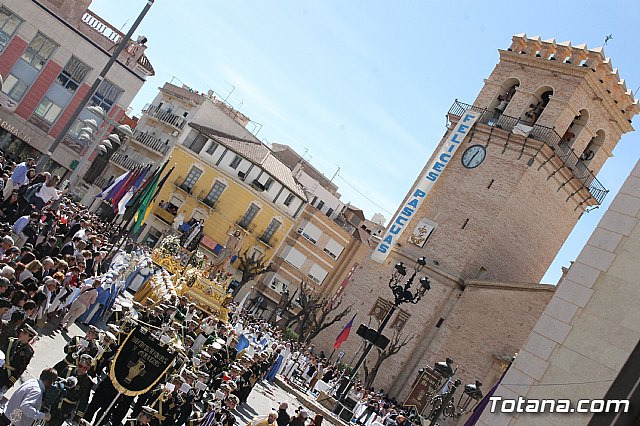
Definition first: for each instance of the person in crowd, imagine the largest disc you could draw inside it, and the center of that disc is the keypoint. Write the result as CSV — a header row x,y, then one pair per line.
x,y
45,193
24,406
19,177
88,295
18,353
283,416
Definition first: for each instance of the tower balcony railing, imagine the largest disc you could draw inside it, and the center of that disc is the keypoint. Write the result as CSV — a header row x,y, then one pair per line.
x,y
150,141
165,116
543,134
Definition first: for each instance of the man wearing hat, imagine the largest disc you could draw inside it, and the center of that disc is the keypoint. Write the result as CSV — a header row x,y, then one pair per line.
x,y
221,416
146,417
18,354
166,402
244,384
78,346
77,396
187,403
105,354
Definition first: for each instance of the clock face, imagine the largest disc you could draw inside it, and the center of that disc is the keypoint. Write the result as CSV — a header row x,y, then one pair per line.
x,y
474,156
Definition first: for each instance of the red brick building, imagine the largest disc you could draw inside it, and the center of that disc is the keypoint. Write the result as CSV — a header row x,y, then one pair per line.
x,y
50,54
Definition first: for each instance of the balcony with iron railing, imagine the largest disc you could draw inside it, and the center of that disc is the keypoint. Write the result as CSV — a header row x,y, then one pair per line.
x,y
549,137
180,183
101,182
268,241
246,224
203,197
149,141
123,161
165,116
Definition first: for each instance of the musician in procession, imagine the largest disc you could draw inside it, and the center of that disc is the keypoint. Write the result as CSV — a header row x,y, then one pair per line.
x,y
18,354
77,346
76,397
146,417
209,373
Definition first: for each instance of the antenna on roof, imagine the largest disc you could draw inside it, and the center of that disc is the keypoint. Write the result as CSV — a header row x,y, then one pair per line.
x,y
232,89
335,174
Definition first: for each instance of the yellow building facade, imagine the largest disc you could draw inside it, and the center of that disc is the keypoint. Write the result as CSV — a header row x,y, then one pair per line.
x,y
230,184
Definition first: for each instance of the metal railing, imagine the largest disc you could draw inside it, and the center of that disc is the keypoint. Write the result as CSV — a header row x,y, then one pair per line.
x,y
543,134
269,241
101,182
165,116
151,141
125,161
246,224
102,27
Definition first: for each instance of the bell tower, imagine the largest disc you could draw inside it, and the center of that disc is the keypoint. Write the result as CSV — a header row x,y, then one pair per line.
x,y
512,175
549,116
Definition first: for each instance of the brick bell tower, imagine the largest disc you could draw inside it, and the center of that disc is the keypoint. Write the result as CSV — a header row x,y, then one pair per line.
x,y
507,183
550,114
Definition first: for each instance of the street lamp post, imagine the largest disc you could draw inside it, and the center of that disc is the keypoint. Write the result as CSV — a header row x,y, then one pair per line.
x,y
402,294
86,134
119,48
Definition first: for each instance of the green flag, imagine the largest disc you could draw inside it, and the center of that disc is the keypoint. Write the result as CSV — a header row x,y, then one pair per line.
x,y
145,199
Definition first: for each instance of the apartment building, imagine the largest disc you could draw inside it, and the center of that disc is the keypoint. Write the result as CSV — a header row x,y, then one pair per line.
x,y
161,123
232,184
321,247
51,52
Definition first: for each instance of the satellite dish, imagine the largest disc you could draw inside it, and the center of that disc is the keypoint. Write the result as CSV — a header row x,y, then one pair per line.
x,y
210,92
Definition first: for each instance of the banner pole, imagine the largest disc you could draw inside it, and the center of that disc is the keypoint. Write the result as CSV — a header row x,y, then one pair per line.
x,y
108,409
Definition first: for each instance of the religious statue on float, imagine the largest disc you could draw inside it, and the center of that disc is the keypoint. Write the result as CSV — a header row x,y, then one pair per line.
x,y
230,249
192,237
177,222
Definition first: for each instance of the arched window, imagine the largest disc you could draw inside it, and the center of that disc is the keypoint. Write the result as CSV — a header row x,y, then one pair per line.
x,y
574,129
504,95
537,105
592,148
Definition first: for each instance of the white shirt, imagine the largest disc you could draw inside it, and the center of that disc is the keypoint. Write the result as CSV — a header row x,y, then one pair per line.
x,y
82,233
26,401
48,193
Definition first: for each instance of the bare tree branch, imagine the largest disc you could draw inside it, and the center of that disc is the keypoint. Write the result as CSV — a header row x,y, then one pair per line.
x,y
314,313
252,267
397,342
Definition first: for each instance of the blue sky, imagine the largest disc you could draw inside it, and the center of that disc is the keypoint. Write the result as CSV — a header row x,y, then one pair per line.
x,y
365,85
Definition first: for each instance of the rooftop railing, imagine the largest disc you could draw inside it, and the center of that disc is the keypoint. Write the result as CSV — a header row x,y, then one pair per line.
x,y
103,27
